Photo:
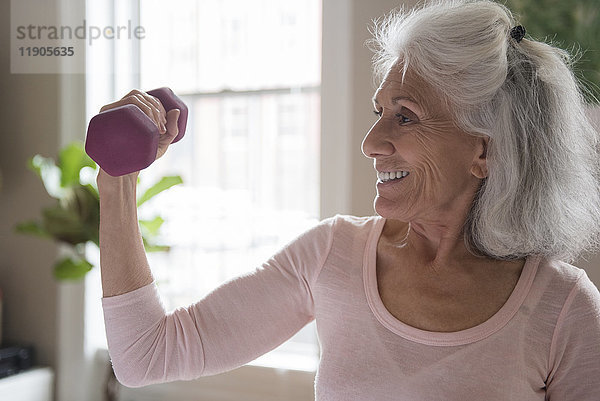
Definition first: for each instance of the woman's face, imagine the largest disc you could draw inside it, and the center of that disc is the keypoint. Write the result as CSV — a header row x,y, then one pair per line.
x,y
414,133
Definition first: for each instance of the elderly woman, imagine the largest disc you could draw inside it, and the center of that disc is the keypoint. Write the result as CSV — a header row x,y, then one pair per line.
x,y
460,288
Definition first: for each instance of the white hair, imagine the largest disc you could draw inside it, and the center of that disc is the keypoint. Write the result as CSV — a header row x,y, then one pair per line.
x,y
542,192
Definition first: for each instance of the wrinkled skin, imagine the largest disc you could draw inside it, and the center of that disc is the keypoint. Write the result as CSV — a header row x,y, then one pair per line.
x,y
446,168
426,277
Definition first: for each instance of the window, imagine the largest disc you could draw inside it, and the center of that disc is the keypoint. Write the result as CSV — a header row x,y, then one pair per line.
x,y
249,72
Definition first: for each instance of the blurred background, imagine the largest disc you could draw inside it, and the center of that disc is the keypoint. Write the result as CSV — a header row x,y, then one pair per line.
x,y
279,96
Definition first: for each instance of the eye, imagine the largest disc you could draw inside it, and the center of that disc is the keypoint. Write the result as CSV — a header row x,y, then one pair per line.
x,y
403,118
378,113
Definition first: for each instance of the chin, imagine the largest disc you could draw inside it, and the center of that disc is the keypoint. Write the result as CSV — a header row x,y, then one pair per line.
x,y
389,209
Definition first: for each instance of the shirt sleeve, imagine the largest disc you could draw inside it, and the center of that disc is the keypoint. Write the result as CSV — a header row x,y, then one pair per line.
x,y
575,350
237,322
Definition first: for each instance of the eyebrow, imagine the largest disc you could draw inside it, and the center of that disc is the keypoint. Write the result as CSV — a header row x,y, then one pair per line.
x,y
395,100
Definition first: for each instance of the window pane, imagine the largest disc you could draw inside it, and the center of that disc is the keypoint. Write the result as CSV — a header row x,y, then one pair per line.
x,y
249,187
211,45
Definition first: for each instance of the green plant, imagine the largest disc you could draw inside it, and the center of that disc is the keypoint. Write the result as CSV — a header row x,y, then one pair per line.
x,y
570,24
75,217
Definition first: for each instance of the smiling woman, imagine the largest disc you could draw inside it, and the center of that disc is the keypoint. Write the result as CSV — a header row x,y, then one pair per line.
x,y
542,193
445,165
488,183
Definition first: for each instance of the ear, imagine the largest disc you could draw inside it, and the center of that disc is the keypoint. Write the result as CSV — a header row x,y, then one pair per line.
x,y
479,167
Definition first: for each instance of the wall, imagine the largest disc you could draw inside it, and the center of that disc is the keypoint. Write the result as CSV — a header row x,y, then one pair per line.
x,y
363,174
39,114
347,86
590,262
29,118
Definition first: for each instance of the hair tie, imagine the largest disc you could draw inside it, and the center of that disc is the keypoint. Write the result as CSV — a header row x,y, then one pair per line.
x,y
517,33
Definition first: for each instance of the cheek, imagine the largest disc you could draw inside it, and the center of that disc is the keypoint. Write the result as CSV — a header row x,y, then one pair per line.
x,y
440,151
428,157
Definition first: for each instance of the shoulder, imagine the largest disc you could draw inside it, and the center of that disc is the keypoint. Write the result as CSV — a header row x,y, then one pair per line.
x,y
560,276
574,350
340,227
350,230
308,252
318,239
354,224
579,296
563,293
583,301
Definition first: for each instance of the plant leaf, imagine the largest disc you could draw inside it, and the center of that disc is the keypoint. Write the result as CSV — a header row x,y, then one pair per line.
x,y
33,228
88,208
163,184
65,225
158,248
83,201
50,174
151,227
93,190
69,269
71,160
93,219
149,247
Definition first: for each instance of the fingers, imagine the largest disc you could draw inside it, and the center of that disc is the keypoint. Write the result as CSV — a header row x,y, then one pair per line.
x,y
110,106
153,105
154,101
157,104
148,104
172,130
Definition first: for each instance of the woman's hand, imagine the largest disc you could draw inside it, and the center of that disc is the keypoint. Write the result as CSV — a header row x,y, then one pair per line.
x,y
166,122
153,108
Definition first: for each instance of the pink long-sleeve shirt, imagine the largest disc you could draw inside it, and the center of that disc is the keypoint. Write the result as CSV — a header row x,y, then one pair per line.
x,y
544,343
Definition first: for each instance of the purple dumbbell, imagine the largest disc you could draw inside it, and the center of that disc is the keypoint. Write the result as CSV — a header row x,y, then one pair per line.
x,y
124,139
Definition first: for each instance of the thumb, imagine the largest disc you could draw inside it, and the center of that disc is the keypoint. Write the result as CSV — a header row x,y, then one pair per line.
x,y
172,119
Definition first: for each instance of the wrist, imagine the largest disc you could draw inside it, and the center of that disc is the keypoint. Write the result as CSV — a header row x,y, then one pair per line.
x,y
106,182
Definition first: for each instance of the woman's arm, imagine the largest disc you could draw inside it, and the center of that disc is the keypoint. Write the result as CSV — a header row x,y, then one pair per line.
x,y
123,262
237,322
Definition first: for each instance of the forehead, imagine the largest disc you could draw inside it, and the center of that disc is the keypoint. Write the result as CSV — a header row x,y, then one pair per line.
x,y
411,90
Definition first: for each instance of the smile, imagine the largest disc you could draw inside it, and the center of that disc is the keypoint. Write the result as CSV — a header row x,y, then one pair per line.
x,y
389,176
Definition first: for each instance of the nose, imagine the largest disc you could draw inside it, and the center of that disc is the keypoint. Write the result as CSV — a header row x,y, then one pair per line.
x,y
376,143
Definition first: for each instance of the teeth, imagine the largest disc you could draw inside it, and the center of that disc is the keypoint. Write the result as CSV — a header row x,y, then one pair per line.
x,y
387,176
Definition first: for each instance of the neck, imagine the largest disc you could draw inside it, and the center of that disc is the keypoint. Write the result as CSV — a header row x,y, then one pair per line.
x,y
440,246
447,254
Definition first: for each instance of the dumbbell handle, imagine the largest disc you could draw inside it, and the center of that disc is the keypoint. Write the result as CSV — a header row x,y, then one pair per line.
x,y
124,139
